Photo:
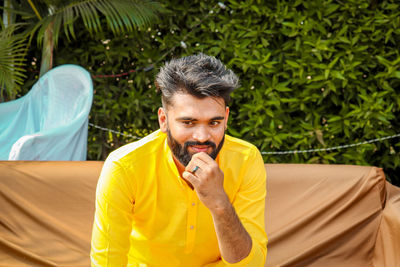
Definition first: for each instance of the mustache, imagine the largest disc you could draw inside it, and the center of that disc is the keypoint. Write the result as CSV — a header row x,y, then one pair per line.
x,y
195,143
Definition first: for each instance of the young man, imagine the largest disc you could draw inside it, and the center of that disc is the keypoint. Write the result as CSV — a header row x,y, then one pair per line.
x,y
187,194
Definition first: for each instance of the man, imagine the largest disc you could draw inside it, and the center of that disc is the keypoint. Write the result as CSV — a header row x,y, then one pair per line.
x,y
187,194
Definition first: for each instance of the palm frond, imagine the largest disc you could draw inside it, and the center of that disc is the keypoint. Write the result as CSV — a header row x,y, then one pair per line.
x,y
29,11
12,61
26,14
41,27
49,17
35,9
121,15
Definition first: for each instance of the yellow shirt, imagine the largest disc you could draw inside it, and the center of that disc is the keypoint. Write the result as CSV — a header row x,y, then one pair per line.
x,y
146,215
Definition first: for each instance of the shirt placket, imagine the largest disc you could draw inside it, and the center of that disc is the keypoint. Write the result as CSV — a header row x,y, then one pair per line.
x,y
191,226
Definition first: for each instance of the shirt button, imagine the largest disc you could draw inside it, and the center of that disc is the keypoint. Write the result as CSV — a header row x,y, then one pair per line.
x,y
191,227
193,204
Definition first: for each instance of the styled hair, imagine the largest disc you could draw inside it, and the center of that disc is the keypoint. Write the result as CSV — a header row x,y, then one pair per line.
x,y
198,75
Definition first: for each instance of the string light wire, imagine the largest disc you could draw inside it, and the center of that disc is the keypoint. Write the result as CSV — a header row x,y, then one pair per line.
x,y
329,148
286,152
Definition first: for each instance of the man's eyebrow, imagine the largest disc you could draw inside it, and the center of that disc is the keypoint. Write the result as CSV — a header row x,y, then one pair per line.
x,y
218,118
185,119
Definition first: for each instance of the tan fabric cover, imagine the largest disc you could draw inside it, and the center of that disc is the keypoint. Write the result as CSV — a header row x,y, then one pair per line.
x,y
317,215
46,212
331,215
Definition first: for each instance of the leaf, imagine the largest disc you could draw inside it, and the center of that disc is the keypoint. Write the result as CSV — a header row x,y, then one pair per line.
x,y
344,40
331,8
298,43
333,62
384,61
334,118
396,74
327,73
12,61
338,75
293,63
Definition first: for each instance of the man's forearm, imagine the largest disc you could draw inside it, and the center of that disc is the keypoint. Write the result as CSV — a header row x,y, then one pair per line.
x,y
233,240
207,179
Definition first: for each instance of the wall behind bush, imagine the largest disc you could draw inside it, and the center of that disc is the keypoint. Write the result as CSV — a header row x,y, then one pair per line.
x,y
314,74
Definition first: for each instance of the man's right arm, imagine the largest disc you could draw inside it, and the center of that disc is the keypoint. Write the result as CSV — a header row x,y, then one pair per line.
x,y
113,217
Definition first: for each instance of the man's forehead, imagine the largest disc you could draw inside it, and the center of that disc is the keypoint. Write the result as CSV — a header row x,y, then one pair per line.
x,y
185,105
183,99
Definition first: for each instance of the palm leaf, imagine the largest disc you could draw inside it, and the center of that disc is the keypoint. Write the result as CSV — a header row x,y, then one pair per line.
x,y
46,18
12,61
120,15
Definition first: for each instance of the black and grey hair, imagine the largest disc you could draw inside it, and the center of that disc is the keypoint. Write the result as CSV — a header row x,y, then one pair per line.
x,y
198,75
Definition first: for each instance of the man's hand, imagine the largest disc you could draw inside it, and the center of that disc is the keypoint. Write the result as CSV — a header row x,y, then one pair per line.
x,y
208,181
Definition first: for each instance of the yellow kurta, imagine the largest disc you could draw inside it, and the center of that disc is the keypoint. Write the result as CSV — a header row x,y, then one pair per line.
x,y
146,215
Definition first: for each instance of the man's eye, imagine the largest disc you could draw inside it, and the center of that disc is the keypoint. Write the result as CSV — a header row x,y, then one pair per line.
x,y
214,123
187,123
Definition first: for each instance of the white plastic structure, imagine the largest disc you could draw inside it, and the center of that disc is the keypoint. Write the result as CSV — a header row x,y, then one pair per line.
x,y
51,121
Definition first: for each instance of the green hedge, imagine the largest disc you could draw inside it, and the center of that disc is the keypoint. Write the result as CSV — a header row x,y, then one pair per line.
x,y
314,74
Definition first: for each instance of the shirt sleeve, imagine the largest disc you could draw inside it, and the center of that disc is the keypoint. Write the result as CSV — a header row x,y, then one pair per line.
x,y
249,205
113,217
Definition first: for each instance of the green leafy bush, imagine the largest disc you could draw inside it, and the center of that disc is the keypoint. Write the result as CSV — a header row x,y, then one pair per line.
x,y
314,74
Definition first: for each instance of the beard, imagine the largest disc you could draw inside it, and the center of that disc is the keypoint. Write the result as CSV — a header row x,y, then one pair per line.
x,y
182,153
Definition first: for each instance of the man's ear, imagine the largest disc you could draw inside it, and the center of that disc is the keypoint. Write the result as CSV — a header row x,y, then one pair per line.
x,y
226,117
162,120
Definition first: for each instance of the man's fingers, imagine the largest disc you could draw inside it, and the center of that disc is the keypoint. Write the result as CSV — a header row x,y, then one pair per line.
x,y
202,156
192,166
202,160
190,178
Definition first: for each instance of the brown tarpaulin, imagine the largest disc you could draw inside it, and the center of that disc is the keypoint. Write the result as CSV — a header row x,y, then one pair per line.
x,y
332,216
316,215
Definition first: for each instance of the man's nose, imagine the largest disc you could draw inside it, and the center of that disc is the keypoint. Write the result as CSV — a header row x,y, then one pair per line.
x,y
201,134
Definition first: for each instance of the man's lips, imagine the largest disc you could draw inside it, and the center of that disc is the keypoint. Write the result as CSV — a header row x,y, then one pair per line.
x,y
198,149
